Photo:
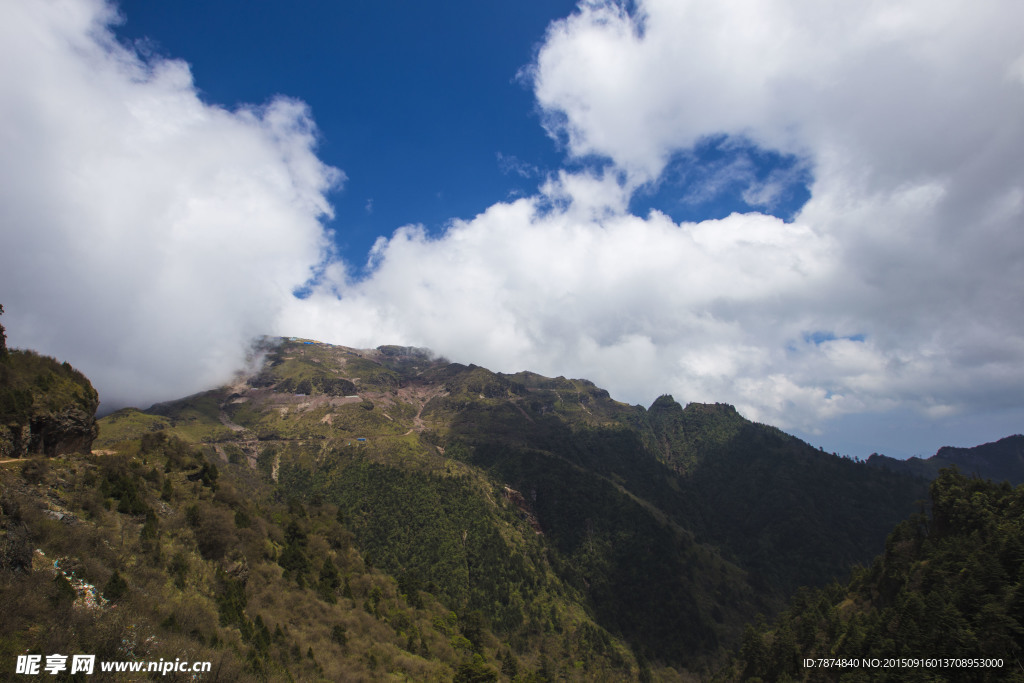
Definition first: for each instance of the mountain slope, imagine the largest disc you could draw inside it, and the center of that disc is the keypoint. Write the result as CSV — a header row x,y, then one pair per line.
x,y
670,527
157,553
948,587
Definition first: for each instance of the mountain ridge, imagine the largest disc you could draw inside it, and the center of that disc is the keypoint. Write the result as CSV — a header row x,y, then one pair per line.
x,y
551,439
540,513
1001,460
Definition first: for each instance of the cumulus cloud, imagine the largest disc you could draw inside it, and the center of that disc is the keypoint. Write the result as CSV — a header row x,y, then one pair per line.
x,y
568,282
894,288
863,84
147,235
162,232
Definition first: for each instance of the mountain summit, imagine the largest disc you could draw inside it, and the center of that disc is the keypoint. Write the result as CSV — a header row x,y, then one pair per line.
x,y
671,525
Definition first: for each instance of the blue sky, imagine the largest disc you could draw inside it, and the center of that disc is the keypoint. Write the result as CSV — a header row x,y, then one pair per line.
x,y
424,106
419,103
814,213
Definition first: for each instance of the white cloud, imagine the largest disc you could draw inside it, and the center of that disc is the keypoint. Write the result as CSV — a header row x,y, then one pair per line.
x,y
887,78
147,235
906,115
509,164
567,282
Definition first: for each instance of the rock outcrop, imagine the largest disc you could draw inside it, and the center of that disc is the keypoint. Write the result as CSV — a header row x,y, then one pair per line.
x,y
69,431
46,407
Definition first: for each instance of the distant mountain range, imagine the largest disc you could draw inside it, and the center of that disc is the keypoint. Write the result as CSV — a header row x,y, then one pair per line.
x,y
450,520
1001,460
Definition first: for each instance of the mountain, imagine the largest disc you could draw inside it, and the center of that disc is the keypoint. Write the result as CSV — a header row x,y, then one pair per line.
x,y
671,526
1001,460
360,513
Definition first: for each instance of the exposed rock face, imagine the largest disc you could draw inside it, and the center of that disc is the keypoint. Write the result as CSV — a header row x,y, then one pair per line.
x,y
517,499
70,431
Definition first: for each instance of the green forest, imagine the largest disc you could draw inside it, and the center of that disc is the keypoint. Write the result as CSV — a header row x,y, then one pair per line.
x,y
950,585
383,514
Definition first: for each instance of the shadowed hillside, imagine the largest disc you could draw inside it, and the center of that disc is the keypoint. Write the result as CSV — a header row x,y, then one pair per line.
x,y
1001,460
944,602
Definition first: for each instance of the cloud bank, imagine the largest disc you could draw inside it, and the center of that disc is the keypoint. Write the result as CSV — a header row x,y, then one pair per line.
x,y
148,234
894,288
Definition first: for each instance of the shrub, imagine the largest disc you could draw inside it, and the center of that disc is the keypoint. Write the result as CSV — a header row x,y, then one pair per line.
x,y
64,592
216,534
36,470
116,587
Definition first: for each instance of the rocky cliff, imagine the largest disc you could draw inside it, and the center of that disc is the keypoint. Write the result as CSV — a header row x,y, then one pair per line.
x,y
46,407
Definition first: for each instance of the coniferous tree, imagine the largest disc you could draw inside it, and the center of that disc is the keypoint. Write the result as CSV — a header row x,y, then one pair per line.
x,y
330,581
116,587
508,665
